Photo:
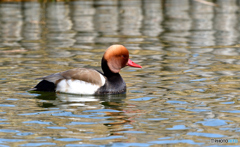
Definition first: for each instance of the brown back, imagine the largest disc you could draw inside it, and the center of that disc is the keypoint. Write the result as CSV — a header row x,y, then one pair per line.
x,y
83,74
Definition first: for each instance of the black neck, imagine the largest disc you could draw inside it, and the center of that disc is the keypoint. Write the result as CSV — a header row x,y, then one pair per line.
x,y
114,82
107,72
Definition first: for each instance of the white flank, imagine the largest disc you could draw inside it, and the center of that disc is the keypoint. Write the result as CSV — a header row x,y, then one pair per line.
x,y
102,79
76,87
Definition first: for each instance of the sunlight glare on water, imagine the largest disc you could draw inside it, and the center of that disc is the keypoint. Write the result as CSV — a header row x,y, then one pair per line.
x,y
187,92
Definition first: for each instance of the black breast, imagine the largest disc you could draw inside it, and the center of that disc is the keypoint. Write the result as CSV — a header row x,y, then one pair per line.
x,y
114,85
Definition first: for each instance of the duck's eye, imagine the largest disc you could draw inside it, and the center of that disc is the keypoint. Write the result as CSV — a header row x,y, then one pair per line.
x,y
123,56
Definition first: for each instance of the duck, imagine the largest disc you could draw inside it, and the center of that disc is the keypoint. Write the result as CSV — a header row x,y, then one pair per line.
x,y
86,81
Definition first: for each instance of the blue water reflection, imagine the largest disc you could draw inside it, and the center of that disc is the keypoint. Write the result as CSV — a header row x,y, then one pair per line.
x,y
210,135
213,122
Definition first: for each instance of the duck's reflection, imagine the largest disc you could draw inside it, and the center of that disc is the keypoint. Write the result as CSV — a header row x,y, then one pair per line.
x,y
107,110
108,101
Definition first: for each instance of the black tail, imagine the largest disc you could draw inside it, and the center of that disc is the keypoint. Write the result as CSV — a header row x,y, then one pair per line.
x,y
44,86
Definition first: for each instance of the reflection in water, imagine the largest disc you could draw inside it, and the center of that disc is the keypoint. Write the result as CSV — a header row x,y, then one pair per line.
x,y
82,15
11,24
186,93
152,13
72,98
226,32
177,23
202,25
106,21
107,107
59,25
32,28
225,23
131,17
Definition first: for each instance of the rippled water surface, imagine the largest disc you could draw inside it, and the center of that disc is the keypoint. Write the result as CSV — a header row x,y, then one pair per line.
x,y
186,94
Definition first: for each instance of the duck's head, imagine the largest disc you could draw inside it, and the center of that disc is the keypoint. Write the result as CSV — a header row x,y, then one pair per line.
x,y
116,57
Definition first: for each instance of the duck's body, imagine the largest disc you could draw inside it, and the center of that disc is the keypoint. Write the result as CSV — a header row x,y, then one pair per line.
x,y
82,81
90,81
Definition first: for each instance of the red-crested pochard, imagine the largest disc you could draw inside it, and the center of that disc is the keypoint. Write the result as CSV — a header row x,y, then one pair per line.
x,y
90,81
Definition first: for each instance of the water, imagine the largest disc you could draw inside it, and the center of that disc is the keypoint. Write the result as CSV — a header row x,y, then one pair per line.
x,y
186,94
